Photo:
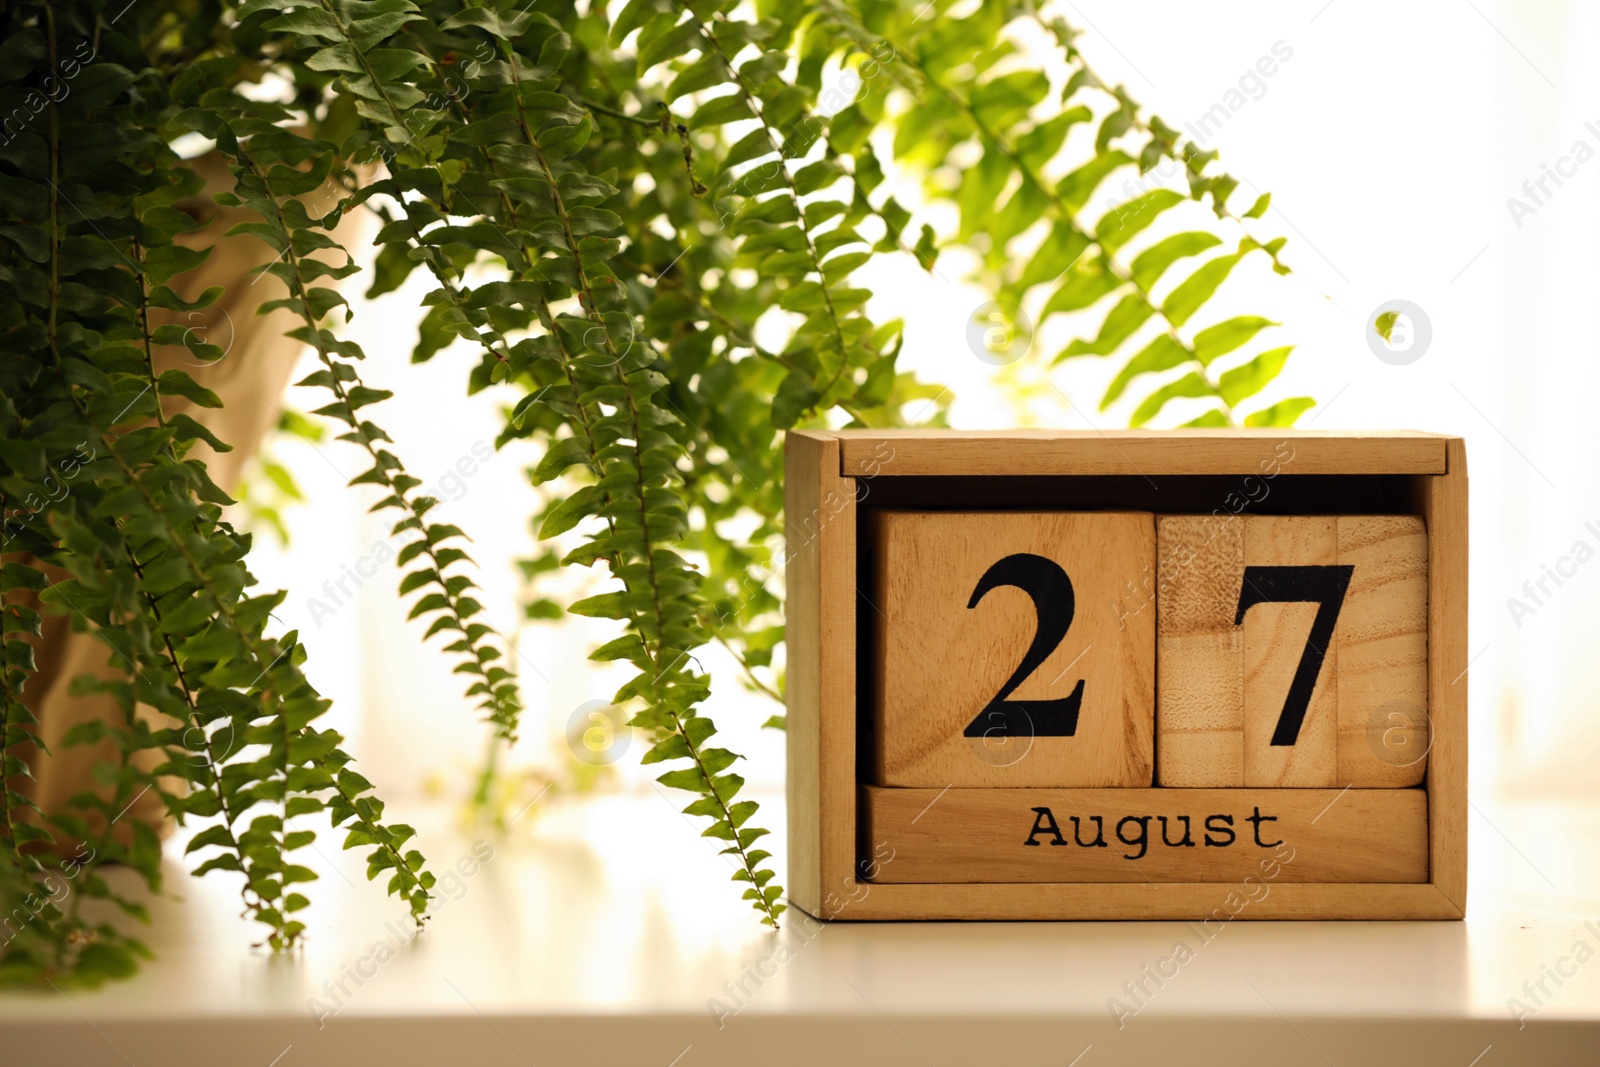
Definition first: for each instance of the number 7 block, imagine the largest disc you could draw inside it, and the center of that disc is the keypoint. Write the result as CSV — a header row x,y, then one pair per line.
x,y
1291,651
1011,648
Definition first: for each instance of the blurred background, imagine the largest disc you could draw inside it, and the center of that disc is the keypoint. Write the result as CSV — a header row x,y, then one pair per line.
x,y
1410,151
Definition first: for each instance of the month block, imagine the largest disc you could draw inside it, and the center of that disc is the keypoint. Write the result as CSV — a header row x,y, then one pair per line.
x,y
1292,651
1249,837
1003,653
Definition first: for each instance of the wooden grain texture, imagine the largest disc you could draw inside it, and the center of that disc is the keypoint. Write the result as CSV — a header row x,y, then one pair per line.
x,y
1144,453
1200,652
820,554
803,457
1444,508
1382,680
941,657
1275,637
1148,835
1211,904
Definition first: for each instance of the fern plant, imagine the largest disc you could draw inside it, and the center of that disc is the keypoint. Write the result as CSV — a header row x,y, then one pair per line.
x,y
610,206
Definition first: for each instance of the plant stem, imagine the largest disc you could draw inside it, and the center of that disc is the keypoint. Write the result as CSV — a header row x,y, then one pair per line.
x,y
637,120
749,672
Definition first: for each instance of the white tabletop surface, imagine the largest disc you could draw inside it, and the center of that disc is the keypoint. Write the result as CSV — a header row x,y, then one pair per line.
x,y
601,931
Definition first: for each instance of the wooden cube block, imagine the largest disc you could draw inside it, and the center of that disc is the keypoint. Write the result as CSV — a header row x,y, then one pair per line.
x,y
1003,651
1292,651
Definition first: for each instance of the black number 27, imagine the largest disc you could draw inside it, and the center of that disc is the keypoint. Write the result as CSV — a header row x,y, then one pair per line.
x,y
1048,586
1324,586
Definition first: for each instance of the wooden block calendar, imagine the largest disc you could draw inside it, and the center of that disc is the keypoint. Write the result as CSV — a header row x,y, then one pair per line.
x,y
1050,674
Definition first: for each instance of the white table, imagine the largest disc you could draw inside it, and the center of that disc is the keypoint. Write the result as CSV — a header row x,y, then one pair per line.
x,y
599,931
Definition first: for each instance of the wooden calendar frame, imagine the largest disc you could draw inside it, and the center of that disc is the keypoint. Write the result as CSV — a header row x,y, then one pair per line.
x,y
834,477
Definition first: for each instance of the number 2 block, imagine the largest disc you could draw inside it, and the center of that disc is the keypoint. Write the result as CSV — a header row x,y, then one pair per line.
x,y
1292,651
1007,650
